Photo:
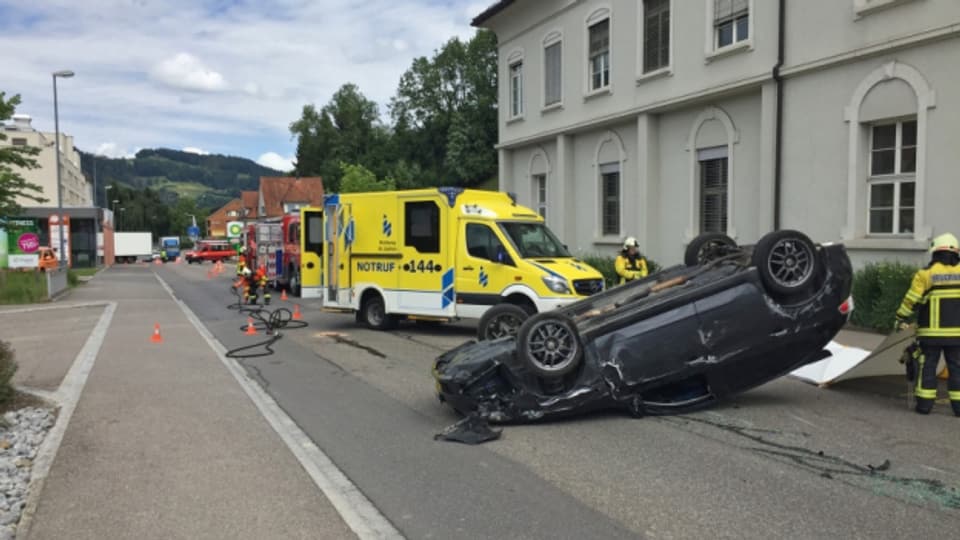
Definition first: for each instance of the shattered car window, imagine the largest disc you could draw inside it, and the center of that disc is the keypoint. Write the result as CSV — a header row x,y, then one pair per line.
x,y
533,240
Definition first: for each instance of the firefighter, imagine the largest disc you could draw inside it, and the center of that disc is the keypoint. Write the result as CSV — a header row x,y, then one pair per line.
x,y
630,264
241,265
256,280
935,294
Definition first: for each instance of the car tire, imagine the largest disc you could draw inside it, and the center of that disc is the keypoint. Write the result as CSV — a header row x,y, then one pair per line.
x,y
788,263
375,313
501,320
294,284
708,247
549,345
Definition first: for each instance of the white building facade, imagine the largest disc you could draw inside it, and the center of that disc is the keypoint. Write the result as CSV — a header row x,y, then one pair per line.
x,y
76,190
662,119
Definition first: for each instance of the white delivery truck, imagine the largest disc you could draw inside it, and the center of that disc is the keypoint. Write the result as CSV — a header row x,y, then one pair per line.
x,y
128,247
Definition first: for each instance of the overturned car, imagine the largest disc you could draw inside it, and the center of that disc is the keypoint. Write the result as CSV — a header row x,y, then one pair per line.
x,y
729,319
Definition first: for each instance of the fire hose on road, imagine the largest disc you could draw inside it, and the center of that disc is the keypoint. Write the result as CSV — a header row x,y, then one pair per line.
x,y
261,319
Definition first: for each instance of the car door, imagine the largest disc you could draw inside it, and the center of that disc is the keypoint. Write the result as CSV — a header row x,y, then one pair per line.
x,y
481,277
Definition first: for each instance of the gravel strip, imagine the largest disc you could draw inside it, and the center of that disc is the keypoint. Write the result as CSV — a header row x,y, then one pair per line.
x,y
20,439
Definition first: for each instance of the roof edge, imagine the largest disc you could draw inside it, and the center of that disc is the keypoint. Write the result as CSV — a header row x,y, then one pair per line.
x,y
490,12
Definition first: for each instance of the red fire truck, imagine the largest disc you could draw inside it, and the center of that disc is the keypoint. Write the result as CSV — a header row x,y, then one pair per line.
x,y
275,245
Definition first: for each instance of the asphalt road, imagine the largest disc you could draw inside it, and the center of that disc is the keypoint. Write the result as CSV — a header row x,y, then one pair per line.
x,y
784,460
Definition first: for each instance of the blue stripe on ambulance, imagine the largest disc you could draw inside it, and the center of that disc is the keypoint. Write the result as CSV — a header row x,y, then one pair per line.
x,y
446,285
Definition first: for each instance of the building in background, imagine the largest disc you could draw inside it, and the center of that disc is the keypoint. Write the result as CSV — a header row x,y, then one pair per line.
x,y
76,190
662,119
218,219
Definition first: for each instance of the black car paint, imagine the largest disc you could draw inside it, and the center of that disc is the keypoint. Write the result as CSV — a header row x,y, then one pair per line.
x,y
673,351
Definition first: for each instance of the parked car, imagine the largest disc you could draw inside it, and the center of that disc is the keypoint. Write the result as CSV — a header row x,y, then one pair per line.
x,y
210,252
732,318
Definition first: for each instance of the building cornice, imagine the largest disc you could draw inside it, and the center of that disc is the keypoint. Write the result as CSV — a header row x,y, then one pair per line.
x,y
903,42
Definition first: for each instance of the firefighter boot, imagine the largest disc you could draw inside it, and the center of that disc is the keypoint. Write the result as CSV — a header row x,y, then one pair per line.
x,y
924,405
956,407
266,298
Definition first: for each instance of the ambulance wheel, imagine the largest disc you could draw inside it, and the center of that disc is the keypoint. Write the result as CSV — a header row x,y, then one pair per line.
x,y
375,313
501,320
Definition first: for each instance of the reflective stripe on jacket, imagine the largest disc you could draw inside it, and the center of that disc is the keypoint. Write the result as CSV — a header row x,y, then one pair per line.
x,y
935,294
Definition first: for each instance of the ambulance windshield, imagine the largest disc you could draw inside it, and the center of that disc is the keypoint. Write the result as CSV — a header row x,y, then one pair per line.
x,y
533,240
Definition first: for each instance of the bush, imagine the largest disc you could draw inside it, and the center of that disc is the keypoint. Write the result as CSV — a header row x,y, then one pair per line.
x,y
8,366
605,265
878,289
27,287
73,279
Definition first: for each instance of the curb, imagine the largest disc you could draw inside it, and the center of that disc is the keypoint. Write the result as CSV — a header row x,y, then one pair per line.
x,y
66,397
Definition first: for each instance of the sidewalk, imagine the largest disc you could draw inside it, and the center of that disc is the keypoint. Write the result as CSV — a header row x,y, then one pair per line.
x,y
164,443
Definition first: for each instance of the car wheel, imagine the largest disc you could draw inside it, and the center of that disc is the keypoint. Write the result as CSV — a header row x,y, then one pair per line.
x,y
501,320
787,261
375,313
708,247
549,345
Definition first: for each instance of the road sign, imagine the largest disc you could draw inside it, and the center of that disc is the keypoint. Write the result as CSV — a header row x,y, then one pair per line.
x,y
234,229
193,232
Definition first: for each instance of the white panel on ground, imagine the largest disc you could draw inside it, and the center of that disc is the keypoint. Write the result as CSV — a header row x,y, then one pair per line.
x,y
854,363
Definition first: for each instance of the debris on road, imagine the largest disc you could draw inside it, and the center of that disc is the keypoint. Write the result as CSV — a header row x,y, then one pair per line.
x,y
472,429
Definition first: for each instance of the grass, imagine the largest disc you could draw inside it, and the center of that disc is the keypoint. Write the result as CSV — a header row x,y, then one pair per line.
x,y
85,271
22,287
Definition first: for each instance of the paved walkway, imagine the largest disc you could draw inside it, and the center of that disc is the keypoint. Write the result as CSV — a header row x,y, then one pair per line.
x,y
164,442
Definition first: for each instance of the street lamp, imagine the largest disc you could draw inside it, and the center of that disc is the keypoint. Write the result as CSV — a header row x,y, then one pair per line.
x,y
122,211
105,188
66,74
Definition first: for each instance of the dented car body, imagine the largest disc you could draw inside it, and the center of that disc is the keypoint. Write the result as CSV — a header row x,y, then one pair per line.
x,y
682,339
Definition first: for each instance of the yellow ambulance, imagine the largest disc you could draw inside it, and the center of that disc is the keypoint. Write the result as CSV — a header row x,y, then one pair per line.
x,y
437,254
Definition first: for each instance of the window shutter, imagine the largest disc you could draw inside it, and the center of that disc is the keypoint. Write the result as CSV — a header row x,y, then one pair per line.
x,y
725,10
713,195
553,67
600,37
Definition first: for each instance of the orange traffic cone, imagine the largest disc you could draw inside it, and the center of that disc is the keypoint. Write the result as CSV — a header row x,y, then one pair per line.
x,y
283,295
296,312
156,337
251,330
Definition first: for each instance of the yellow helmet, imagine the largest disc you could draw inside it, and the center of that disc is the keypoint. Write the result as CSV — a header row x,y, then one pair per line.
x,y
945,242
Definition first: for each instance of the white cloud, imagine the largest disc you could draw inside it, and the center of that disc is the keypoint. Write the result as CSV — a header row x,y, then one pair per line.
x,y
113,150
276,161
250,67
187,72
195,150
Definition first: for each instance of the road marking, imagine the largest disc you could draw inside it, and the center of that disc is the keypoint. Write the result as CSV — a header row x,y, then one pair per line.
x,y
357,511
67,395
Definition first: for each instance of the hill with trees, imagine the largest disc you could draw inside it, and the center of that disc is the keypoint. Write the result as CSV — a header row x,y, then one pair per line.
x,y
211,179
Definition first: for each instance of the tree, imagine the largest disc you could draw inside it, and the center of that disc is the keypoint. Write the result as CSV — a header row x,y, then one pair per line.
x,y
347,129
12,184
357,179
445,112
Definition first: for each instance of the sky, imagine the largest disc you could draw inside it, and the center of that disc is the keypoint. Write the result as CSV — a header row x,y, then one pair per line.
x,y
210,76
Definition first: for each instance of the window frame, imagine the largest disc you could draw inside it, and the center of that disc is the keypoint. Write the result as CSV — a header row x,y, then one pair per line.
x,y
516,89
492,233
601,193
702,192
412,241
665,69
598,16
897,178
712,48
554,38
514,59
539,185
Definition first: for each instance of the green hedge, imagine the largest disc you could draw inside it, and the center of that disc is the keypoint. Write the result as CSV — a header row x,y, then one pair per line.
x,y
18,287
878,289
605,265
